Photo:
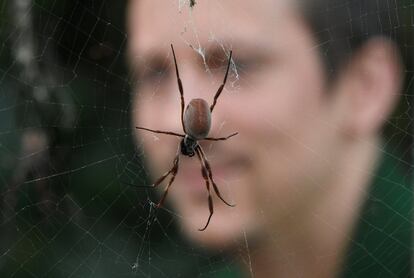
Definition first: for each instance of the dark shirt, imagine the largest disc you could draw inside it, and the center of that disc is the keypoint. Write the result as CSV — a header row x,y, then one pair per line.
x,y
381,244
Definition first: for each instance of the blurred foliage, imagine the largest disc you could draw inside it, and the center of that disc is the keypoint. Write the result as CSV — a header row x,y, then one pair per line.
x,y
94,225
399,128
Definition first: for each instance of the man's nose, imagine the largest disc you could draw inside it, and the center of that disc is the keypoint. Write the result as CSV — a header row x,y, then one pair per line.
x,y
198,82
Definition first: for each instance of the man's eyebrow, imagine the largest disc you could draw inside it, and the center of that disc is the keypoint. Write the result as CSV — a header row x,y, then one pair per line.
x,y
242,49
241,44
139,61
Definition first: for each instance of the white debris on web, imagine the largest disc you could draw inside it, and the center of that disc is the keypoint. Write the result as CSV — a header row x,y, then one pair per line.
x,y
186,3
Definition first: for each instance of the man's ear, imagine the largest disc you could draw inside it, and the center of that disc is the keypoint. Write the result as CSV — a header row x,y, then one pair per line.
x,y
370,86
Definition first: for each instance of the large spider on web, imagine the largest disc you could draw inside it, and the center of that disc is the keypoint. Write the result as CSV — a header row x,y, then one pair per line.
x,y
196,123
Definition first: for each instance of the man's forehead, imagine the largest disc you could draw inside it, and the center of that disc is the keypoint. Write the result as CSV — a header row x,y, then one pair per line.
x,y
151,22
245,7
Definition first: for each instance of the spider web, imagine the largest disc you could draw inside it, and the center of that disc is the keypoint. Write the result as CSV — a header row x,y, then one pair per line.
x,y
66,148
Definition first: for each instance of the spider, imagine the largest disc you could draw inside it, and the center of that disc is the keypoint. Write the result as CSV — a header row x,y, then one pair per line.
x,y
196,123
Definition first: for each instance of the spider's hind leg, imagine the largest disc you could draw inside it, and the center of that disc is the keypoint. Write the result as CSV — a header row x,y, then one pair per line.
x,y
210,175
173,173
205,176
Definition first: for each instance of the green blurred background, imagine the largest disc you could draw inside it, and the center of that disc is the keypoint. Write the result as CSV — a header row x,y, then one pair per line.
x,y
66,148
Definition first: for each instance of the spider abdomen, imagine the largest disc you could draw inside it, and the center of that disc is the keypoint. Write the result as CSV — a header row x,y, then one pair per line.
x,y
197,118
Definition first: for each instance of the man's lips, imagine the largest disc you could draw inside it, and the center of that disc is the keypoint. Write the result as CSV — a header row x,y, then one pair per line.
x,y
191,177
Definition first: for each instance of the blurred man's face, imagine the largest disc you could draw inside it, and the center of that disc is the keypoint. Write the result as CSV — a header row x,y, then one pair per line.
x,y
274,98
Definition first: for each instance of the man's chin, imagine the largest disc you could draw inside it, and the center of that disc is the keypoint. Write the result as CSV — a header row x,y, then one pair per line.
x,y
223,232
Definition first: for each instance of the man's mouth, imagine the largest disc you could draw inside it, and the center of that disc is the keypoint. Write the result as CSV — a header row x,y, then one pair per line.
x,y
191,177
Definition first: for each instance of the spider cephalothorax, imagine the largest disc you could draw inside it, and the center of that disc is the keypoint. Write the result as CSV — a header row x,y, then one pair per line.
x,y
188,146
196,123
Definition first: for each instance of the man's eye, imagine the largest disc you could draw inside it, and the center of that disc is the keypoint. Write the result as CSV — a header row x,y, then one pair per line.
x,y
153,71
216,62
244,65
153,74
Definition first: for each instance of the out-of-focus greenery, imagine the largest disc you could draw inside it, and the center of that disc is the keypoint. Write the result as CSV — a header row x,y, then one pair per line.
x,y
81,220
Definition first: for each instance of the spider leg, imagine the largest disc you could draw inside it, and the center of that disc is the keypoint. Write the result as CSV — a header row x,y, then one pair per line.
x,y
159,180
180,88
160,131
220,138
210,207
210,200
202,156
138,186
222,85
173,172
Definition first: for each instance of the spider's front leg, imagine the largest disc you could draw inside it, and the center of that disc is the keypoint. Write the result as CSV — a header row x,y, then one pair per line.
x,y
221,138
160,131
180,88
